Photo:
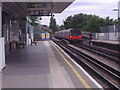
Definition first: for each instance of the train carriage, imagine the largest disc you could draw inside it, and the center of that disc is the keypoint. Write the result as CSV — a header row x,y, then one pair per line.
x,y
69,34
73,35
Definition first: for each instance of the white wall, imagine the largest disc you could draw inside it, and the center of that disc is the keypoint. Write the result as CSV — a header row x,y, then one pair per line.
x,y
27,39
112,36
2,54
2,43
106,36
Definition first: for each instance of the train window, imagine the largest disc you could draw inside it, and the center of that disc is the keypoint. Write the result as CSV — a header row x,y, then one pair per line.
x,y
75,32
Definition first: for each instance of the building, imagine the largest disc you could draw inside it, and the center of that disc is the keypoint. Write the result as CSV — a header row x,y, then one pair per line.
x,y
14,25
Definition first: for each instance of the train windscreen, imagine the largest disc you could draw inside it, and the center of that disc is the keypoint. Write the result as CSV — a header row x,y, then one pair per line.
x,y
75,32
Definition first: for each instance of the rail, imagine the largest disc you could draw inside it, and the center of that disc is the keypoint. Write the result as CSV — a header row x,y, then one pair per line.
x,y
76,54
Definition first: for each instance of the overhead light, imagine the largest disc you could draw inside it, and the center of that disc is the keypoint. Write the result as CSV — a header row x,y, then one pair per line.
x,y
40,18
52,15
115,9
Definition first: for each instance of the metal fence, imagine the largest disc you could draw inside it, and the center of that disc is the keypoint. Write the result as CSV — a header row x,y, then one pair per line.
x,y
111,32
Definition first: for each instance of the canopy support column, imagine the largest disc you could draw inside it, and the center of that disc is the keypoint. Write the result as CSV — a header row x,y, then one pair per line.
x,y
2,43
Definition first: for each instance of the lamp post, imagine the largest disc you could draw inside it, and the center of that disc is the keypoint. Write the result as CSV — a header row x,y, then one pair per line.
x,y
118,10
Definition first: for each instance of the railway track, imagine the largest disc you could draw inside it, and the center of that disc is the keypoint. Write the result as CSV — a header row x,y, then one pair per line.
x,y
106,74
111,55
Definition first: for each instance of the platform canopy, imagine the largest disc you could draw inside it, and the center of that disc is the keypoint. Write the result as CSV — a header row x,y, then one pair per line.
x,y
35,7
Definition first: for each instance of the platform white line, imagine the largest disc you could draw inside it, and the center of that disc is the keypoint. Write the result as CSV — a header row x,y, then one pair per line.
x,y
98,85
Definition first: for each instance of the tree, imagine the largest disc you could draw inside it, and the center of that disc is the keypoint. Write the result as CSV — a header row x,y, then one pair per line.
x,y
86,22
34,21
68,22
117,21
53,25
62,27
108,21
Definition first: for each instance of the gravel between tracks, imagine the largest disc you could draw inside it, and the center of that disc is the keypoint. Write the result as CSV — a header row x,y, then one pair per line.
x,y
101,59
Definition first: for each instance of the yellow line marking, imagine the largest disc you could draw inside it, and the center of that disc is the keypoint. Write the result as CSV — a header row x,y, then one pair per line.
x,y
74,70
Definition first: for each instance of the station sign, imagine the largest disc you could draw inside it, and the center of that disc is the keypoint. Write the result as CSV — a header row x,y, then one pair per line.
x,y
37,0
37,5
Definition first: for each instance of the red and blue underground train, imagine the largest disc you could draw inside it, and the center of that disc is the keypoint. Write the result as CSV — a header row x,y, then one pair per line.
x,y
73,35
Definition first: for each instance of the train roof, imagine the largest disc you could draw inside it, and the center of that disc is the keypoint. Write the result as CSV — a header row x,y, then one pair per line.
x,y
65,30
68,30
85,32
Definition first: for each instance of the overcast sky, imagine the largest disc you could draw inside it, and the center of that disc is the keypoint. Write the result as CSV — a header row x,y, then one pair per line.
x,y
102,8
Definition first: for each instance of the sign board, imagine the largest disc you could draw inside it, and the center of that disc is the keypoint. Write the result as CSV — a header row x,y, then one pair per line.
x,y
37,0
37,5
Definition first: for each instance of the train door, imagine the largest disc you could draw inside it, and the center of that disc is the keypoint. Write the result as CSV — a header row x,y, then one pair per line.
x,y
47,36
43,36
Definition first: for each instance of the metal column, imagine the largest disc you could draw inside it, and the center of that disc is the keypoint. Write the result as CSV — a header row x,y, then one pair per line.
x,y
119,21
2,42
0,19
119,9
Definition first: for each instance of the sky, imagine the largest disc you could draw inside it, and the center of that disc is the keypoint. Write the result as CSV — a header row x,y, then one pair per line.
x,y
102,8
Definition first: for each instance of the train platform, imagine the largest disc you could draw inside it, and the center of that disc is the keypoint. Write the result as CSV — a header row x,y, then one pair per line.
x,y
113,45
107,41
44,65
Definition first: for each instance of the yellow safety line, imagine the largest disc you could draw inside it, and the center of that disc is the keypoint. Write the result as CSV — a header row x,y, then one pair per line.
x,y
74,70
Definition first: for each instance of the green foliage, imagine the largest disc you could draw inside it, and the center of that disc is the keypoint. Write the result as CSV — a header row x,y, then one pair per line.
x,y
87,22
33,20
53,25
62,27
118,21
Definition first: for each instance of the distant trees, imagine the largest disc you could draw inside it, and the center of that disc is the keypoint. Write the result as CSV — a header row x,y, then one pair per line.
x,y
118,20
61,27
53,25
33,20
87,22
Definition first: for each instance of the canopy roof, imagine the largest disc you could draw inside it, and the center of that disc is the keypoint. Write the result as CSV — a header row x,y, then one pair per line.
x,y
34,7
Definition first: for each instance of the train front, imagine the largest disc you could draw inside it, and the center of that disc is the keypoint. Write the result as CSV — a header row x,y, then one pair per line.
x,y
75,35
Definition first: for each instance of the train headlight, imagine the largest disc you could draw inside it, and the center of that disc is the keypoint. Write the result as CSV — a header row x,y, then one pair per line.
x,y
70,36
80,36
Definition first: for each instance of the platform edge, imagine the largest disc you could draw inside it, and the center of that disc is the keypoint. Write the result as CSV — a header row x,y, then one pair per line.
x,y
95,82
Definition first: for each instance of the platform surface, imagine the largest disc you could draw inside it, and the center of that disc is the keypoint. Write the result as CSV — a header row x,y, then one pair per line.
x,y
107,41
41,66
